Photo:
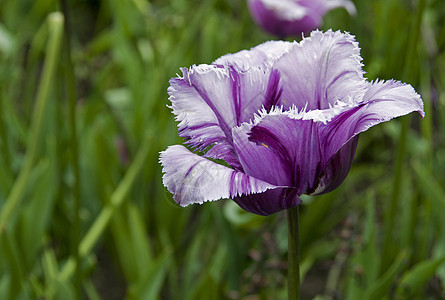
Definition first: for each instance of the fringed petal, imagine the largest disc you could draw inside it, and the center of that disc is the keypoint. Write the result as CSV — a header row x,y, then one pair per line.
x,y
194,179
263,55
320,70
382,102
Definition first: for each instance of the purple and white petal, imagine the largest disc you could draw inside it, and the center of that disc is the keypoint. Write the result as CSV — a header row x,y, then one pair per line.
x,y
382,102
194,179
320,70
197,121
336,169
258,89
201,102
404,99
283,17
258,160
293,17
295,143
289,10
214,87
210,100
264,55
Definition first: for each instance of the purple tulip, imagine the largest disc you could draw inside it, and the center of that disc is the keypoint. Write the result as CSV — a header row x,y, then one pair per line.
x,y
275,122
293,17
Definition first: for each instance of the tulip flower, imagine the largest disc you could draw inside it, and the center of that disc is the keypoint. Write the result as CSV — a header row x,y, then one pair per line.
x,y
267,125
293,17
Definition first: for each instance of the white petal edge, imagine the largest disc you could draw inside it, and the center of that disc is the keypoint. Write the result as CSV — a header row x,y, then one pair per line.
x,y
263,55
377,91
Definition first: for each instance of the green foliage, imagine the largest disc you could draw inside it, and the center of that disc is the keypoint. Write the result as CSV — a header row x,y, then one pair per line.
x,y
83,117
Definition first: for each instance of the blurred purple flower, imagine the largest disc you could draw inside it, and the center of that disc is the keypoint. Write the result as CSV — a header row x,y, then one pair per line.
x,y
284,117
293,17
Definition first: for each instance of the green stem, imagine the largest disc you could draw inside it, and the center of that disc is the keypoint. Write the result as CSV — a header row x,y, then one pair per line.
x,y
16,269
36,134
4,135
293,272
71,94
388,246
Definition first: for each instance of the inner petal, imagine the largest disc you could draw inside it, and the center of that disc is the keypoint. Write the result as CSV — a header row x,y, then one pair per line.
x,y
258,160
295,143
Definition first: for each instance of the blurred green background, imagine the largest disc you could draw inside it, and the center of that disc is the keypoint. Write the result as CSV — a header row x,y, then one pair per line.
x,y
83,117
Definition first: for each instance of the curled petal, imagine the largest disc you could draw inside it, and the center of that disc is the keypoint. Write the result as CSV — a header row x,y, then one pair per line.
x,y
382,102
194,179
402,96
320,70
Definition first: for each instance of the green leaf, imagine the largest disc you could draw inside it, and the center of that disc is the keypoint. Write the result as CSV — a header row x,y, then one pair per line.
x,y
318,250
235,249
139,236
383,285
36,213
6,40
430,186
131,243
364,267
415,279
207,288
148,288
14,265
4,285
91,291
54,287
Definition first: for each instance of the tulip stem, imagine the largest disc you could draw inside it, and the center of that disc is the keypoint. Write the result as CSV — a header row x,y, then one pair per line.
x,y
293,272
